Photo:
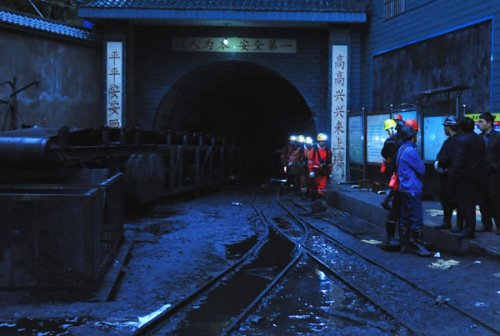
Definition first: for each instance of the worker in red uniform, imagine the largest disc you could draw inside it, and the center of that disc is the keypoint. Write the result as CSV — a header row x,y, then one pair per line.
x,y
320,166
298,166
289,148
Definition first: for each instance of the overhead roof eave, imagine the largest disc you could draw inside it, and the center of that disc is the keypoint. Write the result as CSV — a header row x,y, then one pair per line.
x,y
222,15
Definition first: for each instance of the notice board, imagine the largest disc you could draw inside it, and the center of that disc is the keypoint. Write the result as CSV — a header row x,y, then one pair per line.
x,y
375,137
434,136
356,147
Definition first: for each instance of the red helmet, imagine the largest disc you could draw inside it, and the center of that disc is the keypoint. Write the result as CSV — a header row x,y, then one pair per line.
x,y
397,117
413,123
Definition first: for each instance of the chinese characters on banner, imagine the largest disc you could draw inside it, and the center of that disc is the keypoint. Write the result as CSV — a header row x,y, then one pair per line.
x,y
234,44
114,71
339,111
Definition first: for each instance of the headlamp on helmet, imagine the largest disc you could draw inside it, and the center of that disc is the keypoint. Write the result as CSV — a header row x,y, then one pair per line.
x,y
322,137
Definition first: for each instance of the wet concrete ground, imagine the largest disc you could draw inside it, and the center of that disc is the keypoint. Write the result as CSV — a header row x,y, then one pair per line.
x,y
179,244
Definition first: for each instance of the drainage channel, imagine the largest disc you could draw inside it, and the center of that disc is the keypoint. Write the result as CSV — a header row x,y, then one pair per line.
x,y
214,312
312,301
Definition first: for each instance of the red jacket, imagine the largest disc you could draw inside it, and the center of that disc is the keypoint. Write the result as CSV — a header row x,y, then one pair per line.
x,y
317,161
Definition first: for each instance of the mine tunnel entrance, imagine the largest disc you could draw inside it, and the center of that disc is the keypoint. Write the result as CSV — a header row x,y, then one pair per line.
x,y
245,101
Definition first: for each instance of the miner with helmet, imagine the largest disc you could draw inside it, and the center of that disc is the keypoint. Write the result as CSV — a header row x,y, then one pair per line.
x,y
465,172
389,151
490,193
320,166
298,166
410,170
286,152
443,161
398,119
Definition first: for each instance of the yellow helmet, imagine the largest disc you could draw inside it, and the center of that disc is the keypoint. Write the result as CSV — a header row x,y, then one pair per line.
x,y
300,138
308,140
389,123
322,137
292,138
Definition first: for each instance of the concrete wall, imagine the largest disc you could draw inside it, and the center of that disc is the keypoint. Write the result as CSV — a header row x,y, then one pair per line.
x,y
70,92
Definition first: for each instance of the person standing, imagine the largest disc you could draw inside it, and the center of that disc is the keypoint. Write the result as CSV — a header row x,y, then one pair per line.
x,y
298,166
389,151
285,158
465,174
442,163
320,166
410,170
491,180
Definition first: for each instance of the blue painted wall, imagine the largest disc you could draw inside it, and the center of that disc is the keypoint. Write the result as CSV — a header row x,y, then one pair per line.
x,y
422,21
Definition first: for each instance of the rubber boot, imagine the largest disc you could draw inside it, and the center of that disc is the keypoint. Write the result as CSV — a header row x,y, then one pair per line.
x,y
390,228
404,240
322,199
419,248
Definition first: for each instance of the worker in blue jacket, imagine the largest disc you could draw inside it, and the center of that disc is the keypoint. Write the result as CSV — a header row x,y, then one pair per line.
x,y
410,170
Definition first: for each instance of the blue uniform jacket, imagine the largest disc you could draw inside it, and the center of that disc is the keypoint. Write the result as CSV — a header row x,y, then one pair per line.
x,y
411,169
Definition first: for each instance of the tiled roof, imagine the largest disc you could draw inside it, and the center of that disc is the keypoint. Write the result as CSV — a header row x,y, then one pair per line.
x,y
322,6
44,25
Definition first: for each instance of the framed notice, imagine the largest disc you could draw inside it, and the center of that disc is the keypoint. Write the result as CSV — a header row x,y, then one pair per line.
x,y
356,137
434,136
375,137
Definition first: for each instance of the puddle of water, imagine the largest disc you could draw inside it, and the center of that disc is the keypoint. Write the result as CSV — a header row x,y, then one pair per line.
x,y
236,251
39,327
308,302
225,302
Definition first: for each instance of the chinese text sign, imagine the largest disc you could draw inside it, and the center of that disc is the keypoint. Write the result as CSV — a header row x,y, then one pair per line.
x,y
114,71
339,111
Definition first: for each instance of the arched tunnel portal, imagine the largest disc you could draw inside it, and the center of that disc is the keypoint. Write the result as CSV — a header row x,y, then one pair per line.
x,y
247,102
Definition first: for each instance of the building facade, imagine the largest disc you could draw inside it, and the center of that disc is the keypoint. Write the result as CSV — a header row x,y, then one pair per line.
x,y
423,60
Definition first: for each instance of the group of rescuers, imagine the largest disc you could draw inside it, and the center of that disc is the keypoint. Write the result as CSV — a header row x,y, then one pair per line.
x,y
307,166
469,168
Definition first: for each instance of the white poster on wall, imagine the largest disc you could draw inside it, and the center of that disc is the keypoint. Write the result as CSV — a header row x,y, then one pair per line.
x,y
356,139
114,85
339,111
375,137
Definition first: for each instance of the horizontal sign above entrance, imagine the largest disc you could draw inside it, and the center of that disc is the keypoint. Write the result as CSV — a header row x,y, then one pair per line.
x,y
234,44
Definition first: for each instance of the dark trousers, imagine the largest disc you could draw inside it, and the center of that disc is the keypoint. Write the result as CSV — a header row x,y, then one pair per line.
x,y
412,213
485,205
448,202
396,206
489,200
467,194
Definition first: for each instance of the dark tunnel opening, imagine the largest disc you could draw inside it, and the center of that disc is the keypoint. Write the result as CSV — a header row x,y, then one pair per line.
x,y
244,101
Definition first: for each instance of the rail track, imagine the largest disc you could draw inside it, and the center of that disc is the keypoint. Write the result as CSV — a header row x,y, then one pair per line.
x,y
224,305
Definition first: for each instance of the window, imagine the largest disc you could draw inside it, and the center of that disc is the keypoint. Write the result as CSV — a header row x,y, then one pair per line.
x,y
393,8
